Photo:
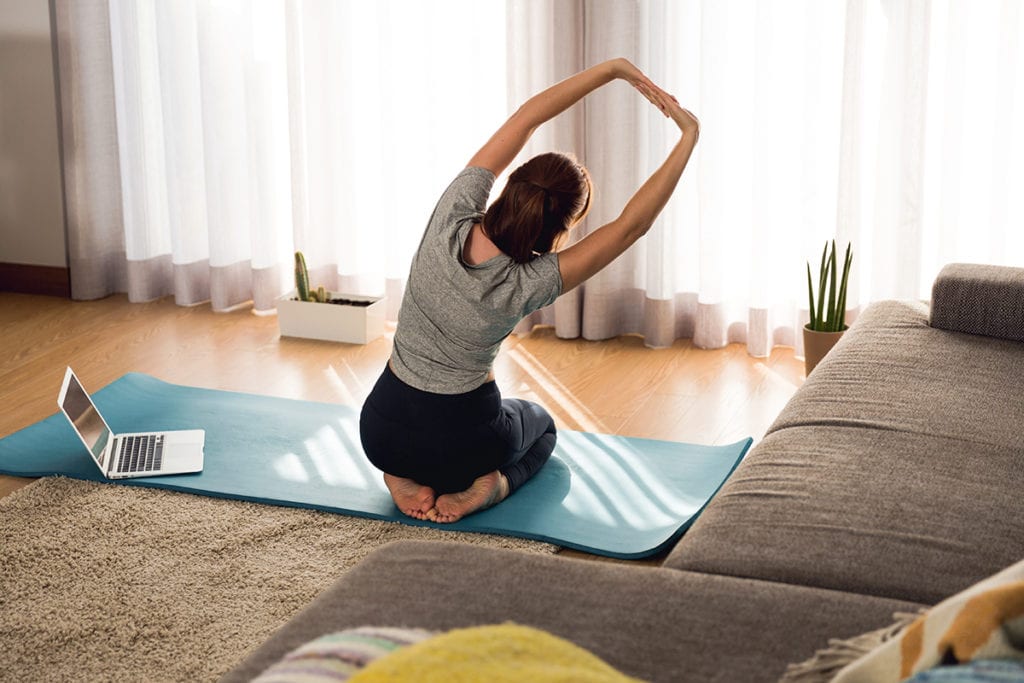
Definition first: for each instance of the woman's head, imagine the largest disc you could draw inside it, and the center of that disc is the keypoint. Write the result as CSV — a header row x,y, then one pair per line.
x,y
543,199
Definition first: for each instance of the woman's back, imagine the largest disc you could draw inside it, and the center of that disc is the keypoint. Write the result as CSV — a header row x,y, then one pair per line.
x,y
455,315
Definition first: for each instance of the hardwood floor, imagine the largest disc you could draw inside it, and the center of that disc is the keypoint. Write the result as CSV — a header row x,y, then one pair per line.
x,y
616,386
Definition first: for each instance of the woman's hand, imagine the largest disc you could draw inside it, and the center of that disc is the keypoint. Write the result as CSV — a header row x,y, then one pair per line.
x,y
669,105
684,118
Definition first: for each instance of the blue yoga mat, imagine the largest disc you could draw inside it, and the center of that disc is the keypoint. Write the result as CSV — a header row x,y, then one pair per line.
x,y
609,495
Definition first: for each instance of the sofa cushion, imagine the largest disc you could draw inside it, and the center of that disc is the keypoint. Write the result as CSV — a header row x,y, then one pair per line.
x,y
841,652
980,299
862,510
891,371
652,623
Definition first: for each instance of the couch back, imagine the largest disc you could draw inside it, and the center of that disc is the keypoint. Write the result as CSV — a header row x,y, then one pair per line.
x,y
897,470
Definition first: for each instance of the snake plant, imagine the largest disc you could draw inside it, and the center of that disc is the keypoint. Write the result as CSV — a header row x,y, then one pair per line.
x,y
830,316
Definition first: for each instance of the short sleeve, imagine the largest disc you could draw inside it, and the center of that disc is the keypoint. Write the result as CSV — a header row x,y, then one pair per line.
x,y
541,282
466,197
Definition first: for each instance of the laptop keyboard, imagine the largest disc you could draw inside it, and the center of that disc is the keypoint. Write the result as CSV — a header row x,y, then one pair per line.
x,y
141,453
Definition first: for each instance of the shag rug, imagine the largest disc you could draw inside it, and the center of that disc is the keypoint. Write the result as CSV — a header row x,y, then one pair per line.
x,y
120,583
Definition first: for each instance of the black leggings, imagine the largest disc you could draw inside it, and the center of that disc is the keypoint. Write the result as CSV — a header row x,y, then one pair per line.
x,y
445,441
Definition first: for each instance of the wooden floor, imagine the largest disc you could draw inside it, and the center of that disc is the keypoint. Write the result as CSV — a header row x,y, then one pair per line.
x,y
617,386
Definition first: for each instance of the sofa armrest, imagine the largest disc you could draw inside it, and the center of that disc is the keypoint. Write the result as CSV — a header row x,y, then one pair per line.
x,y
979,299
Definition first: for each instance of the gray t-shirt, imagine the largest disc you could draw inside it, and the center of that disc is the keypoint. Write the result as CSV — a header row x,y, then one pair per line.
x,y
454,316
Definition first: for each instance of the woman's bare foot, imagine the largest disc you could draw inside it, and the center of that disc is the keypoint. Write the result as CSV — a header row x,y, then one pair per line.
x,y
413,499
484,492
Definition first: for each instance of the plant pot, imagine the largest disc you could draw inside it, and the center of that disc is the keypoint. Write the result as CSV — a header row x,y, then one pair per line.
x,y
348,323
816,345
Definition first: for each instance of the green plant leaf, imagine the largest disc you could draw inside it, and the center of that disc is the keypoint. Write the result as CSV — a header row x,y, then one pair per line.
x,y
830,320
847,262
810,298
822,271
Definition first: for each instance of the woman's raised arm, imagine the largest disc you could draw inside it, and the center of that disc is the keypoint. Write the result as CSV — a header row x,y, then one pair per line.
x,y
509,140
583,259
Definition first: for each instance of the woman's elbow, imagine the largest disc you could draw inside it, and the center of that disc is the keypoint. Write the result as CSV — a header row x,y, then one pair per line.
x,y
633,227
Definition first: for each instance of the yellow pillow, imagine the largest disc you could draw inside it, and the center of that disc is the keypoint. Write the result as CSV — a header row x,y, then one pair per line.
x,y
506,652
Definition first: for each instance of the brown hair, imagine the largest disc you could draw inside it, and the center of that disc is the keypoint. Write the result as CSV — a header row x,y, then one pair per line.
x,y
543,199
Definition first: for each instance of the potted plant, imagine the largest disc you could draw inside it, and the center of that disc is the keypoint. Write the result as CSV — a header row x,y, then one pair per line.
x,y
828,318
321,314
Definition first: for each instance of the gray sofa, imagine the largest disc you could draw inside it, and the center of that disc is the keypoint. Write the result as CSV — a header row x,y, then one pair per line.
x,y
893,479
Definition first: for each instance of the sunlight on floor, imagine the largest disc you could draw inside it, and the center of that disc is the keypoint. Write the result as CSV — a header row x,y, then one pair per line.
x,y
322,448
289,467
341,378
559,393
586,504
630,505
780,378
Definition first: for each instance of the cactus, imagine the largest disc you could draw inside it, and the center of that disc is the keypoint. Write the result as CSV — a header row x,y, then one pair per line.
x,y
832,319
301,277
305,292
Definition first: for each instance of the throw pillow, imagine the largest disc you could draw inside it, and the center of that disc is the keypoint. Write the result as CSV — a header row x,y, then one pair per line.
x,y
497,654
337,656
978,671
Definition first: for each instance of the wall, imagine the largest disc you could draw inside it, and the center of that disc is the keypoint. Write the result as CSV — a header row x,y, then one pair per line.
x,y
31,208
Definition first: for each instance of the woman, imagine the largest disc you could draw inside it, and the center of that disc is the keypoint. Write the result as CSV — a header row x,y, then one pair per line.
x,y
435,422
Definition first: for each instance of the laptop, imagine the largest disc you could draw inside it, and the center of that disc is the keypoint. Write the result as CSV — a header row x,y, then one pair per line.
x,y
128,455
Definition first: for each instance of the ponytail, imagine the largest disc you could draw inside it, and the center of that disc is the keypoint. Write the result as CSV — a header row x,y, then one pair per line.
x,y
543,199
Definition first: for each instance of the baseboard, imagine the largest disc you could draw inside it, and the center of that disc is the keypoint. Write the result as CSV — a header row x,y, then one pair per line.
x,y
26,279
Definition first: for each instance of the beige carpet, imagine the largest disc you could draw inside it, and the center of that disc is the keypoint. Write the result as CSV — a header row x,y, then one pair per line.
x,y
105,582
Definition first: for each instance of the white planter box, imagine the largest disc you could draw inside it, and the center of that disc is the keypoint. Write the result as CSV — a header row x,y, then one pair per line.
x,y
331,322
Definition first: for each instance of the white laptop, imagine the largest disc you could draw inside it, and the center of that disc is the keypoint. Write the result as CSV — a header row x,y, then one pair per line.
x,y
128,455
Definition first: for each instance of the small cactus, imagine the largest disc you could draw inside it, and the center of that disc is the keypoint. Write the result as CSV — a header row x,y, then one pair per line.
x,y
321,294
302,277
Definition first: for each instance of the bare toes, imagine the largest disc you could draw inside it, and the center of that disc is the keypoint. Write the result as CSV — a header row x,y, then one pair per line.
x,y
412,498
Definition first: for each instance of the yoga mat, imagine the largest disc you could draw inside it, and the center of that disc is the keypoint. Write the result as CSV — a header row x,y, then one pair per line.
x,y
608,495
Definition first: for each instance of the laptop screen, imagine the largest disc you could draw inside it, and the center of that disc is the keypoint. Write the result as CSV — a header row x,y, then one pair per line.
x,y
86,420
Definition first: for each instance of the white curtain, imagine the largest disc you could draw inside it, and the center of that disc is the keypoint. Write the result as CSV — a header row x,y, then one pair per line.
x,y
205,140
890,124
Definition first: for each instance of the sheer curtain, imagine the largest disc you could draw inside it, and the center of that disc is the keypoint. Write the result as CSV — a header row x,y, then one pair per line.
x,y
205,140
884,123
